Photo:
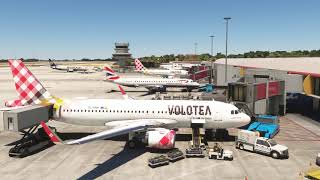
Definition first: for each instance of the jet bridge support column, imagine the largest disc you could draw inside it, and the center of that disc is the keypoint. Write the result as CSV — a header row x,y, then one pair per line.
x,y
196,139
195,150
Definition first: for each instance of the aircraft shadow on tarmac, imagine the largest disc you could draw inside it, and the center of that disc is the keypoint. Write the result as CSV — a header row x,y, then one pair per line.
x,y
78,135
114,162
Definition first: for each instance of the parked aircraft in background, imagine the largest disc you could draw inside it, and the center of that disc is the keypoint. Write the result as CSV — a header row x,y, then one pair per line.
x,y
163,72
178,65
149,121
83,69
151,83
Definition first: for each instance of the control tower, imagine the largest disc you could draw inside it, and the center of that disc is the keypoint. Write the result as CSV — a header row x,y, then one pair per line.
x,y
121,54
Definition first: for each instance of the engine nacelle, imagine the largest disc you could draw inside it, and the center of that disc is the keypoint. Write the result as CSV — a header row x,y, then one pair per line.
x,y
161,138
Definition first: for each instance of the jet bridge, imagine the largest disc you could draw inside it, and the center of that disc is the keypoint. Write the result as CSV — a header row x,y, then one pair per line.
x,y
26,117
27,120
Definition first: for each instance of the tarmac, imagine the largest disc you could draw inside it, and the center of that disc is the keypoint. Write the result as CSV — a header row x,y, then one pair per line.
x,y
111,159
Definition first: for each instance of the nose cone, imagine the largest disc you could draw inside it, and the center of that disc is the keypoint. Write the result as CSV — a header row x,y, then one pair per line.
x,y
245,119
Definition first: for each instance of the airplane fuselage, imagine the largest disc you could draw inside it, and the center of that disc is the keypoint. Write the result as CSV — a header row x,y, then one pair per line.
x,y
165,72
98,112
156,82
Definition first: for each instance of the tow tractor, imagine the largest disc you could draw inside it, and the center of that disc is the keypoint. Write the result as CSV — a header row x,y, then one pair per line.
x,y
219,153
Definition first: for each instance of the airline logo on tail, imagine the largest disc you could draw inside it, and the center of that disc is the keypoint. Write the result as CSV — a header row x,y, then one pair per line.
x,y
28,87
111,75
140,66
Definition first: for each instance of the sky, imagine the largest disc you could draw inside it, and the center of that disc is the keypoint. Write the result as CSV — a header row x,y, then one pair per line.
x,y
74,29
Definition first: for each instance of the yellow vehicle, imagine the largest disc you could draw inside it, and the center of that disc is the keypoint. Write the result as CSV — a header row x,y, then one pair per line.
x,y
312,174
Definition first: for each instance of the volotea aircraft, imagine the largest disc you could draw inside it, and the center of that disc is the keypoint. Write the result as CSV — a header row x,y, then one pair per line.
x,y
163,72
151,83
155,119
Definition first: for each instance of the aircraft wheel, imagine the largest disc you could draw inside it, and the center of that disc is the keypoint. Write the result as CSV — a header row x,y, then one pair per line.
x,y
132,144
241,147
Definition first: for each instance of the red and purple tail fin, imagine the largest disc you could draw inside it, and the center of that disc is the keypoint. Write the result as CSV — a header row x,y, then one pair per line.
x,y
28,87
111,75
52,135
139,65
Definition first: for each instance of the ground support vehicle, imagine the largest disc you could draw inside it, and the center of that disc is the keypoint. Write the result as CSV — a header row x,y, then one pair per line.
x,y
194,152
175,155
221,154
250,141
158,161
318,159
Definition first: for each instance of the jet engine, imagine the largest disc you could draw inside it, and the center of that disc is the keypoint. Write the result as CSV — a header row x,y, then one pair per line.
x,y
160,138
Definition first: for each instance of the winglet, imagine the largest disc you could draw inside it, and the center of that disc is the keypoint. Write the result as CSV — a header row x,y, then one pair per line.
x,y
124,94
53,136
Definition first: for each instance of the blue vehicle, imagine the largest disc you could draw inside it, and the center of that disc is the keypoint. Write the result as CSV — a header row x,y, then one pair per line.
x,y
267,130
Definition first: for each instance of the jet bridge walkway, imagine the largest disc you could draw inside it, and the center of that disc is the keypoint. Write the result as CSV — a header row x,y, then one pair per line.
x,y
26,120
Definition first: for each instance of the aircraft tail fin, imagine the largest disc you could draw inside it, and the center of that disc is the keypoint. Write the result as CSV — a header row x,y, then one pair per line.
x,y
111,75
28,87
140,66
52,64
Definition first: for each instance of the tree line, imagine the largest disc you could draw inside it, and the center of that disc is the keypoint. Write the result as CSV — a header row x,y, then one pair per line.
x,y
205,57
250,54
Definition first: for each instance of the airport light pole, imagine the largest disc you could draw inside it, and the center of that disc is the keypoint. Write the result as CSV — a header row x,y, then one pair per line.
x,y
226,61
211,68
195,48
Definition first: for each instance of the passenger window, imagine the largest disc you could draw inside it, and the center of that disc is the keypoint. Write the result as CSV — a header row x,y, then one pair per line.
x,y
232,112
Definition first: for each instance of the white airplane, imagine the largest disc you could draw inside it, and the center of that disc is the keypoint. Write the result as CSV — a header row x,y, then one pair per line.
x,y
163,72
151,83
177,66
83,69
149,121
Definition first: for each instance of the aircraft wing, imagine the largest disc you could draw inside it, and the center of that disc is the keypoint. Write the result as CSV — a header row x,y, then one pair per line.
x,y
119,128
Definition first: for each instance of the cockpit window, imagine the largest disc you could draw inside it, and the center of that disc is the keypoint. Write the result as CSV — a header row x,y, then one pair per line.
x,y
236,112
232,112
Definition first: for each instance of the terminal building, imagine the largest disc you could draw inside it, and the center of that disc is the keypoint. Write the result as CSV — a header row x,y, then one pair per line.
x,y
121,55
301,76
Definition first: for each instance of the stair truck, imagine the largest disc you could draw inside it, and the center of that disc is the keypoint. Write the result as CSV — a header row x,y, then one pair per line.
x,y
251,141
